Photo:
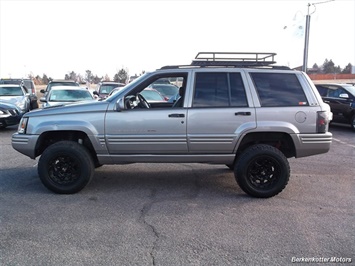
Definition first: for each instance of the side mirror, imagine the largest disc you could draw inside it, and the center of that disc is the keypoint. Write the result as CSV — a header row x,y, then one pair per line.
x,y
344,96
95,93
120,105
43,99
42,91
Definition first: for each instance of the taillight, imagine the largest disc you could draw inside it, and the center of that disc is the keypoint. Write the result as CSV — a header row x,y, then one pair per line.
x,y
323,119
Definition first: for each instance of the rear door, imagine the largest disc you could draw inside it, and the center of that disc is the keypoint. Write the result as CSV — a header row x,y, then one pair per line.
x,y
220,111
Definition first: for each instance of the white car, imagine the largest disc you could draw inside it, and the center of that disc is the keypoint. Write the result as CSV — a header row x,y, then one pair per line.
x,y
17,95
62,95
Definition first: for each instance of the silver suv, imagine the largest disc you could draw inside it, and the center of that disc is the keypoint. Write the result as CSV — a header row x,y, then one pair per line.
x,y
232,109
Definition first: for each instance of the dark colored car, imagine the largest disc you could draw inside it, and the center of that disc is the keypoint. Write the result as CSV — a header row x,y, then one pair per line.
x,y
28,85
106,87
341,98
10,114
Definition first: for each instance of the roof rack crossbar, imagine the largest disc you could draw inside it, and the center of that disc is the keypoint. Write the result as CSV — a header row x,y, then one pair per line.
x,y
234,59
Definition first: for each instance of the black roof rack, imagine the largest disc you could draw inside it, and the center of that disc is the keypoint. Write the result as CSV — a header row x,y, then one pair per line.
x,y
239,59
232,59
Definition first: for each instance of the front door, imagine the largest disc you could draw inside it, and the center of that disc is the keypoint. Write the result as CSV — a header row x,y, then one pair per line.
x,y
159,129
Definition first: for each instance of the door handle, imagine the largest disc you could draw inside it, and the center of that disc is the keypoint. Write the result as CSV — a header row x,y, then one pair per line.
x,y
242,113
177,115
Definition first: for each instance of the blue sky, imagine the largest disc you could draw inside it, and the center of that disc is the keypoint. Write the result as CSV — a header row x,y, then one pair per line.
x,y
57,37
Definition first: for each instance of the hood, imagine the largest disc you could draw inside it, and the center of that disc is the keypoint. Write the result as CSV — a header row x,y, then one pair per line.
x,y
11,99
6,106
74,108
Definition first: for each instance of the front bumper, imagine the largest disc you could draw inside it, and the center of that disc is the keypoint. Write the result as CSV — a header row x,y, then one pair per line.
x,y
25,144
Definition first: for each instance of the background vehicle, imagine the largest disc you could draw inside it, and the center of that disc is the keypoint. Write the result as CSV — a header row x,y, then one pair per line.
x,y
10,114
105,87
246,114
166,90
61,95
59,82
17,95
341,98
29,86
152,95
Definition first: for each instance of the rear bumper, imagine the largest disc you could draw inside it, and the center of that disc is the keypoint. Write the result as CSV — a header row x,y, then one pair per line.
x,y
312,144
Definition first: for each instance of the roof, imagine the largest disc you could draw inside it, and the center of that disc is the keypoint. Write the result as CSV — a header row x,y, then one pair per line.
x,y
10,85
63,80
67,88
112,82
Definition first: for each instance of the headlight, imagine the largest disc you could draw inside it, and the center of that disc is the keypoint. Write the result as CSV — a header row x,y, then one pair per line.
x,y
22,125
21,104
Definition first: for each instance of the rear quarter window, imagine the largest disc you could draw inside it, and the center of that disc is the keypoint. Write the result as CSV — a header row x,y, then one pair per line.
x,y
279,89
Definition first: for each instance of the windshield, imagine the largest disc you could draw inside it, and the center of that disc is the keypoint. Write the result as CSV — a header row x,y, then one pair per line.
x,y
69,95
11,91
350,88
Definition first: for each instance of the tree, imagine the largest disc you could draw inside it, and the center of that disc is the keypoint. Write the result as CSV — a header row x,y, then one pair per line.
x,y
89,76
72,76
107,78
316,69
347,69
96,79
45,79
328,66
121,76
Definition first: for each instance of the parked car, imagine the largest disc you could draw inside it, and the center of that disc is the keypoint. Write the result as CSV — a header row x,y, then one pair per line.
x,y
341,98
17,95
59,82
104,88
29,86
152,95
61,95
10,114
249,115
166,90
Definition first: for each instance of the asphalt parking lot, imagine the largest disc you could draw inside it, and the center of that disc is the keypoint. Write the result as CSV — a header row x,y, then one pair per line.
x,y
180,214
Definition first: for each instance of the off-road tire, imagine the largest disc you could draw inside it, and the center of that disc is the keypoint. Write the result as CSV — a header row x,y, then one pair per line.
x,y
65,167
262,171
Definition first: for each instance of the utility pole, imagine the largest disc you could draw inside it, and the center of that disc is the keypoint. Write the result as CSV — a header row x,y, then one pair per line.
x,y
306,41
306,37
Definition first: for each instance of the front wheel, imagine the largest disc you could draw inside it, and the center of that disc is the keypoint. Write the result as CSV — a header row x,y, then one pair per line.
x,y
262,171
65,167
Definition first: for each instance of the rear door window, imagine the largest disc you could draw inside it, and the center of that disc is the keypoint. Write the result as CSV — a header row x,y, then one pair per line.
x,y
219,90
279,89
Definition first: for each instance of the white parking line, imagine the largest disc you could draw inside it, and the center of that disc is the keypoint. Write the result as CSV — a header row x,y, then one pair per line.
x,y
345,143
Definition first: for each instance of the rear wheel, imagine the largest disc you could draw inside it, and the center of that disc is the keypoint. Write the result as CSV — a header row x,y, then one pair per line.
x,y
65,167
262,171
352,122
